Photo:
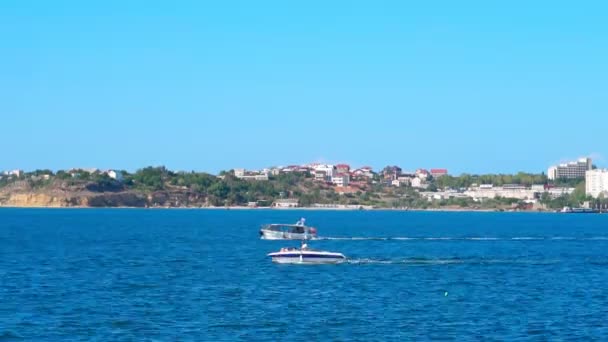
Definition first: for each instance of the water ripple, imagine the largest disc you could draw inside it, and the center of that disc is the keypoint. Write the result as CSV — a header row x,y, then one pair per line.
x,y
203,275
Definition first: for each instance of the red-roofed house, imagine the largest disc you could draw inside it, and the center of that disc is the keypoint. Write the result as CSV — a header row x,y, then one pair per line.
x,y
361,176
365,172
439,172
343,168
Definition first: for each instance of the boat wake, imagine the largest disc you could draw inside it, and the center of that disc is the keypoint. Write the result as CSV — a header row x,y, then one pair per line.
x,y
363,238
474,238
451,261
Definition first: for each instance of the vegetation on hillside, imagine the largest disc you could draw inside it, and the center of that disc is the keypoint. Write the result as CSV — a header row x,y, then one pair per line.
x,y
227,190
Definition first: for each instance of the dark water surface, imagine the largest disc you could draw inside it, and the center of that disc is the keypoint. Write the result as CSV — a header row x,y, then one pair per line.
x,y
159,275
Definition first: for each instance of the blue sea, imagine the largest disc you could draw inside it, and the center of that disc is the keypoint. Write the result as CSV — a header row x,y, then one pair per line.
x,y
203,275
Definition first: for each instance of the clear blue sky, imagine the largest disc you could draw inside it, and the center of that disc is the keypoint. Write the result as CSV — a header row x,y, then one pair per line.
x,y
473,86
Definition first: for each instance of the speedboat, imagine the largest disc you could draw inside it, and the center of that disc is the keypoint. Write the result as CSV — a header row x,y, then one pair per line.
x,y
305,255
297,231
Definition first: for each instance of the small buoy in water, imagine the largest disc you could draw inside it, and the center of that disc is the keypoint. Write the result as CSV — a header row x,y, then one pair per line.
x,y
445,293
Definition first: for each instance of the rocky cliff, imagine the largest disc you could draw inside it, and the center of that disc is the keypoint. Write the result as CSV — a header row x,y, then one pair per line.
x,y
55,198
36,200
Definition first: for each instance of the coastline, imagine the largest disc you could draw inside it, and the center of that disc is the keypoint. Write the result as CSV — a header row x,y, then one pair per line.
x,y
243,208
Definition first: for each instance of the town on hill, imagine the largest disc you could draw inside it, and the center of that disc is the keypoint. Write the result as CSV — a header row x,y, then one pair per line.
x,y
575,184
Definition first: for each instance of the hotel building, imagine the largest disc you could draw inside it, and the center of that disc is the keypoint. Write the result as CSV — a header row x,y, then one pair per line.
x,y
596,182
570,170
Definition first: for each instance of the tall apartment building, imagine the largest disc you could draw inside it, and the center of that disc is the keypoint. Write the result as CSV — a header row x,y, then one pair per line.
x,y
596,182
575,169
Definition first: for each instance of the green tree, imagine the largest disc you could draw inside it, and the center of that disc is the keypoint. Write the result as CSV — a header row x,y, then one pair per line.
x,y
219,190
545,198
151,177
63,175
578,196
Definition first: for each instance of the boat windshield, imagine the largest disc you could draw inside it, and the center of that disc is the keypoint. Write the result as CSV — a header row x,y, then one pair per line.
x,y
275,227
287,228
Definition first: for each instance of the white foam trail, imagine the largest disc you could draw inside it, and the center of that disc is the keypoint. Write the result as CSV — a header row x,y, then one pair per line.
x,y
406,261
472,238
431,262
370,261
354,238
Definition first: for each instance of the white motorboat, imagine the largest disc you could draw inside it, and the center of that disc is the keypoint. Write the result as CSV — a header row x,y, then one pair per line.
x,y
297,231
305,255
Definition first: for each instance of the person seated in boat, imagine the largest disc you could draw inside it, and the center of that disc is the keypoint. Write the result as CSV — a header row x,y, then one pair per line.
x,y
304,246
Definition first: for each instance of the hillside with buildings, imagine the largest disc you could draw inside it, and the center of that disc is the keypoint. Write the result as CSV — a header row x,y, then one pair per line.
x,y
312,185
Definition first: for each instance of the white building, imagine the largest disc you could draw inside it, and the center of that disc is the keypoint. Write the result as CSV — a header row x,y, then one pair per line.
x,y
558,192
341,179
422,174
115,175
321,176
575,169
538,187
248,175
442,195
238,173
508,191
329,169
596,182
16,173
256,177
405,181
41,177
295,168
417,183
553,192
286,203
